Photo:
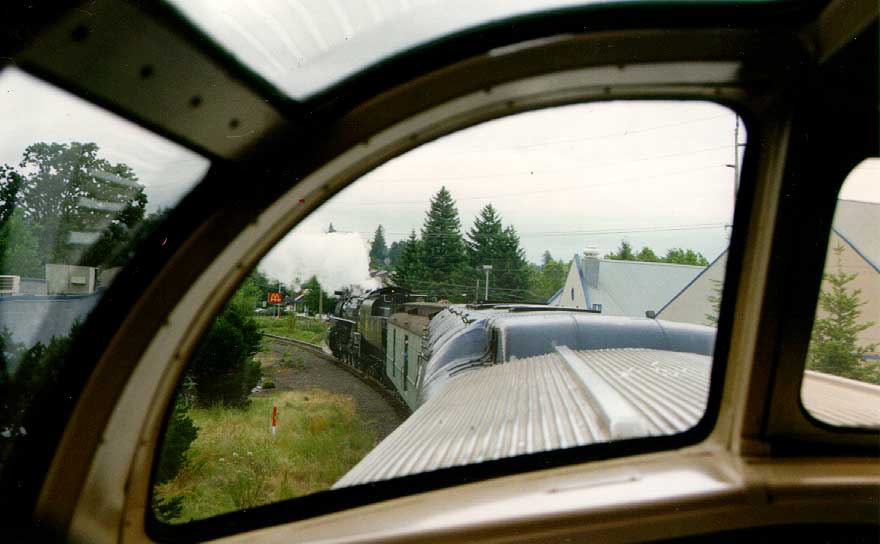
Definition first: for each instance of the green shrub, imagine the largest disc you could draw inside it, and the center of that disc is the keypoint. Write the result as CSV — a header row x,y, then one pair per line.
x,y
223,368
268,384
181,432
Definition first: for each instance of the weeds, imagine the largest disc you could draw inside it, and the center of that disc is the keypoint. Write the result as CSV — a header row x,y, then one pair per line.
x,y
297,327
235,463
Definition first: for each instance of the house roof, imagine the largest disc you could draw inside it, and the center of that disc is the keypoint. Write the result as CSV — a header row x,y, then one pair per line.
x,y
555,296
856,222
633,287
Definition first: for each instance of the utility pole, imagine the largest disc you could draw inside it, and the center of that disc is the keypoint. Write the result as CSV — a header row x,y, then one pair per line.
x,y
487,268
320,303
477,292
735,158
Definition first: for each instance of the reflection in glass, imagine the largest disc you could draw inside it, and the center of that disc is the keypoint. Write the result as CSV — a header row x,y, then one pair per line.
x,y
79,188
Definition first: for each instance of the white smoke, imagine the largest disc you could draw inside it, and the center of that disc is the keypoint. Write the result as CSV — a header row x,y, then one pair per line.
x,y
338,260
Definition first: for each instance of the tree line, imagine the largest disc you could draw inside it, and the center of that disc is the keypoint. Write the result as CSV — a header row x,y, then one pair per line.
x,y
442,261
675,255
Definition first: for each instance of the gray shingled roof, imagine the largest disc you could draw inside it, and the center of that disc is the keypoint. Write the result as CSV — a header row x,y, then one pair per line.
x,y
632,287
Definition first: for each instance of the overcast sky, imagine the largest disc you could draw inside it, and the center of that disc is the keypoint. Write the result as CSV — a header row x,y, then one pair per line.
x,y
653,173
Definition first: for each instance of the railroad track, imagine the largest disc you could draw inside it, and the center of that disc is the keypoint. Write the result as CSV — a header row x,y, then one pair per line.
x,y
308,346
392,397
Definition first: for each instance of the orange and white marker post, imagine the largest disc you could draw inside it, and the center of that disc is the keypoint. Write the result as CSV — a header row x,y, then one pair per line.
x,y
274,419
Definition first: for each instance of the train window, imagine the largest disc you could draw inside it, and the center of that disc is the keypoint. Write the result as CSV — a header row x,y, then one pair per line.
x,y
79,188
514,264
842,380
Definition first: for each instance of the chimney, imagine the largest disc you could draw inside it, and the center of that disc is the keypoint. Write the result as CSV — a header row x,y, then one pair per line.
x,y
591,266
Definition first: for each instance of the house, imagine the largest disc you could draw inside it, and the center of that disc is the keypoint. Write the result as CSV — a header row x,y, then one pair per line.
x,y
694,303
856,229
626,288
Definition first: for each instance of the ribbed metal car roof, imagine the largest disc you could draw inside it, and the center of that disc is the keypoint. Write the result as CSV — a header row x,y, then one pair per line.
x,y
841,401
573,398
559,400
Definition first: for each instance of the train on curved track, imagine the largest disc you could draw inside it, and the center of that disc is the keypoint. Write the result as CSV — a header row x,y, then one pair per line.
x,y
487,381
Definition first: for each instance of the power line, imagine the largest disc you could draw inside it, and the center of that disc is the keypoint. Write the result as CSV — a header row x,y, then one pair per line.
x,y
666,228
579,187
532,172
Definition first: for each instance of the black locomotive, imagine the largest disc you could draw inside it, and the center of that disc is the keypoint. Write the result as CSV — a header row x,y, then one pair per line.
x,y
359,323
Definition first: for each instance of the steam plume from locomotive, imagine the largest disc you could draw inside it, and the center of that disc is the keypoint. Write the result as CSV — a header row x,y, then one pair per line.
x,y
338,259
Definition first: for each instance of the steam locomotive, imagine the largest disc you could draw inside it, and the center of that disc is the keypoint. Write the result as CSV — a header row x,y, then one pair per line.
x,y
359,322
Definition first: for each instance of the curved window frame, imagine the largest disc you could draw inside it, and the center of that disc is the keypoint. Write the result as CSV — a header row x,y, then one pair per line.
x,y
347,168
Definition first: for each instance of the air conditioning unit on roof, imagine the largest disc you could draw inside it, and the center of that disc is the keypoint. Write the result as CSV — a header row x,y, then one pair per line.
x,y
10,285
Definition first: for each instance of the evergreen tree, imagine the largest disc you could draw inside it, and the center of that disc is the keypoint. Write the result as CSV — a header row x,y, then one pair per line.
x,y
485,239
715,300
408,271
442,251
312,299
512,278
330,229
489,243
623,253
834,345
394,252
378,250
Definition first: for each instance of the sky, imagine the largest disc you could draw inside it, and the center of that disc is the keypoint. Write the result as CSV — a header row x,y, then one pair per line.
x,y
652,173
656,174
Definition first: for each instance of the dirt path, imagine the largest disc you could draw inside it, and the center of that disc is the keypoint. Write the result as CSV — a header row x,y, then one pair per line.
x,y
294,369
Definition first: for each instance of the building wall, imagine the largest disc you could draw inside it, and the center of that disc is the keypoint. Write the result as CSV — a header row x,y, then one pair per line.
x,y
572,295
692,305
67,279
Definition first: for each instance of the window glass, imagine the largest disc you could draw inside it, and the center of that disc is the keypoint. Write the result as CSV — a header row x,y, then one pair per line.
x,y
842,382
543,281
78,188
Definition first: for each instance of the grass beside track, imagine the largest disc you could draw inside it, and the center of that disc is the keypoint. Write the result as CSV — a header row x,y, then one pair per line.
x,y
235,463
296,327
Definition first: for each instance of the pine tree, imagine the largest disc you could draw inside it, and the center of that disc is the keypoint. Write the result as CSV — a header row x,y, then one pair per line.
x,y
485,239
512,279
408,271
394,252
623,253
331,229
715,301
834,345
443,255
489,243
378,249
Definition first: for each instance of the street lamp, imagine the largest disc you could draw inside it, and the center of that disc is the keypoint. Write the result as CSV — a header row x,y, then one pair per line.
x,y
487,268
